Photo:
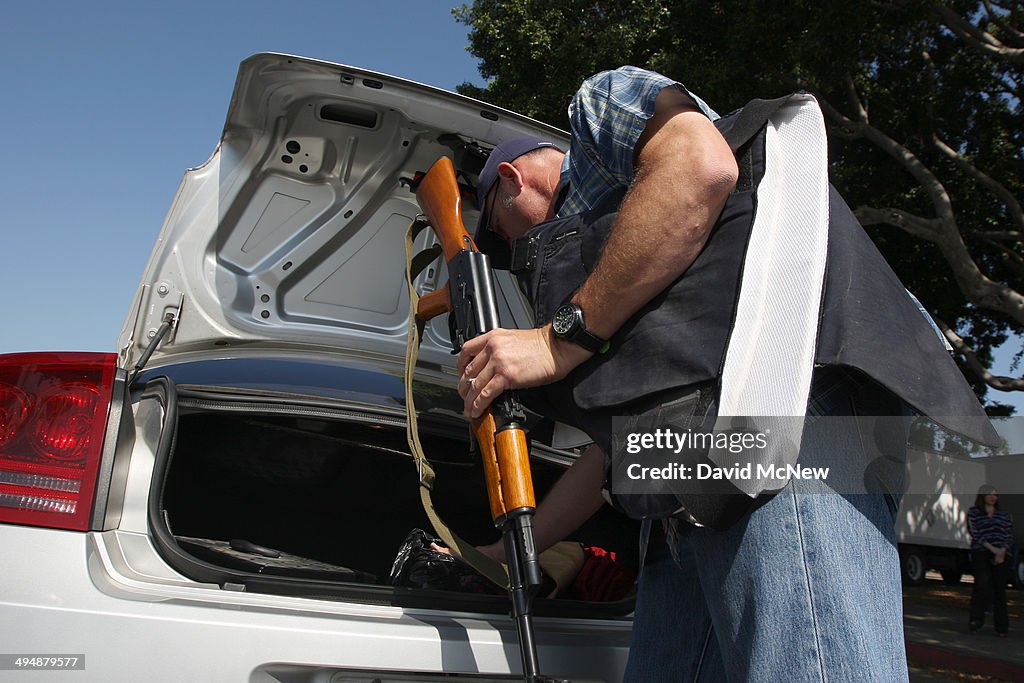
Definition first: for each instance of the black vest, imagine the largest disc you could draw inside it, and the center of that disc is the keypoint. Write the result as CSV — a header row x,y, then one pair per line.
x,y
868,320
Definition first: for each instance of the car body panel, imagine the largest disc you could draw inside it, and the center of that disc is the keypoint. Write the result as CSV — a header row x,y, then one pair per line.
x,y
108,605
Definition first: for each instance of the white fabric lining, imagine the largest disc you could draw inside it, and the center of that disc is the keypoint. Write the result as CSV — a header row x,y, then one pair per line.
x,y
770,356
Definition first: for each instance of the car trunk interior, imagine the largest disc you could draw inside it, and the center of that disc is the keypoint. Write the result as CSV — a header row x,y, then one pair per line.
x,y
319,505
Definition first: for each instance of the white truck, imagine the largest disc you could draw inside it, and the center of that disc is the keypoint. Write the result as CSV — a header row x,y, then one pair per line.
x,y
931,525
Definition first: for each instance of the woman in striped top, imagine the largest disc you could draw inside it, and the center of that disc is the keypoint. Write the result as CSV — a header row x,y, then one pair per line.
x,y
991,537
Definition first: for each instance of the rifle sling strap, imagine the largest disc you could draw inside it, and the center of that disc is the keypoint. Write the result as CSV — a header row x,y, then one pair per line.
x,y
494,571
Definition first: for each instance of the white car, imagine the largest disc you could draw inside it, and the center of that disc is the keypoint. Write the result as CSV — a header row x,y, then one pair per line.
x,y
232,511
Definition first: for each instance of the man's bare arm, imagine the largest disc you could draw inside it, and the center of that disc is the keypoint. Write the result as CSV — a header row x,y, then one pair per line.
x,y
684,174
574,499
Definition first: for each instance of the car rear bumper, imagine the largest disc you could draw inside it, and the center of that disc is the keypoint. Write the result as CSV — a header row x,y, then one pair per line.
x,y
138,620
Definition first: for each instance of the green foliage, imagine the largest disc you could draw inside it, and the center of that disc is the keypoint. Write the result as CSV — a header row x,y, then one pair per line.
x,y
929,436
915,77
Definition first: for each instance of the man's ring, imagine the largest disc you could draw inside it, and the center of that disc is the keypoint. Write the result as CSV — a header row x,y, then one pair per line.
x,y
469,381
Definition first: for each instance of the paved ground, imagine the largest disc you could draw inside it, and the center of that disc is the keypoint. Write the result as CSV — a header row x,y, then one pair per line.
x,y
940,649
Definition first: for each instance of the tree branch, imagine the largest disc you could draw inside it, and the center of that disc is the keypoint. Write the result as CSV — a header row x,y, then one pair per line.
x,y
998,382
976,286
931,184
918,226
1011,259
980,40
1014,35
1011,235
851,90
942,230
998,189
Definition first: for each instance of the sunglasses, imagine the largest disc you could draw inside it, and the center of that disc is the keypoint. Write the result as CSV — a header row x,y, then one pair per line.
x,y
489,210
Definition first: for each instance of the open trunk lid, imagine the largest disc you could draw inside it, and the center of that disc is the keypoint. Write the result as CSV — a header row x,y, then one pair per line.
x,y
291,235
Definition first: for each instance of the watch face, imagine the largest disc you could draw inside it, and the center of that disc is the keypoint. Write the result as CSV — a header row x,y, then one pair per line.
x,y
564,320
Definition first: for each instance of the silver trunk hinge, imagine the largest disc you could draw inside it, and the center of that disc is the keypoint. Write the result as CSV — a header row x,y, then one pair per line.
x,y
169,317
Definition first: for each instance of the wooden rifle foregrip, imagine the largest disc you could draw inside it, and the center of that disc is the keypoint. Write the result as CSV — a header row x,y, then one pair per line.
x,y
506,463
434,304
514,465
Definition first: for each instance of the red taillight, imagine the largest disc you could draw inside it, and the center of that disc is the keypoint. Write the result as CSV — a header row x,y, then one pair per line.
x,y
13,411
53,415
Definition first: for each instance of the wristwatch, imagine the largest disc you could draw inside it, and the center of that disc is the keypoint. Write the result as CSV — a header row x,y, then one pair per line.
x,y
568,324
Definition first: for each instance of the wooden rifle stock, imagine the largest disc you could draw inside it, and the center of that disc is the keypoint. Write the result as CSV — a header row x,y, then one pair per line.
x,y
440,199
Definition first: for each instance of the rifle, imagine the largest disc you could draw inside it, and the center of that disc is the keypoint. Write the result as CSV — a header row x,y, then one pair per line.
x,y
469,298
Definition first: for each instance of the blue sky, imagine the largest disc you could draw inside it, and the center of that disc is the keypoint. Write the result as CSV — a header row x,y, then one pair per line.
x,y
107,103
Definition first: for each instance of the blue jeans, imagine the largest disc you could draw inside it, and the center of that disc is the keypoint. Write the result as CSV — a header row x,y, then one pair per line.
x,y
804,588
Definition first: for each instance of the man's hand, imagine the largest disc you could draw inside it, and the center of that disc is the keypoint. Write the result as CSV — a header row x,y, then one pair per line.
x,y
512,359
495,551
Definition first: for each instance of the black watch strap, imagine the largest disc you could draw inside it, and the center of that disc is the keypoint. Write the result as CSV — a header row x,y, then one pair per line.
x,y
568,324
590,341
